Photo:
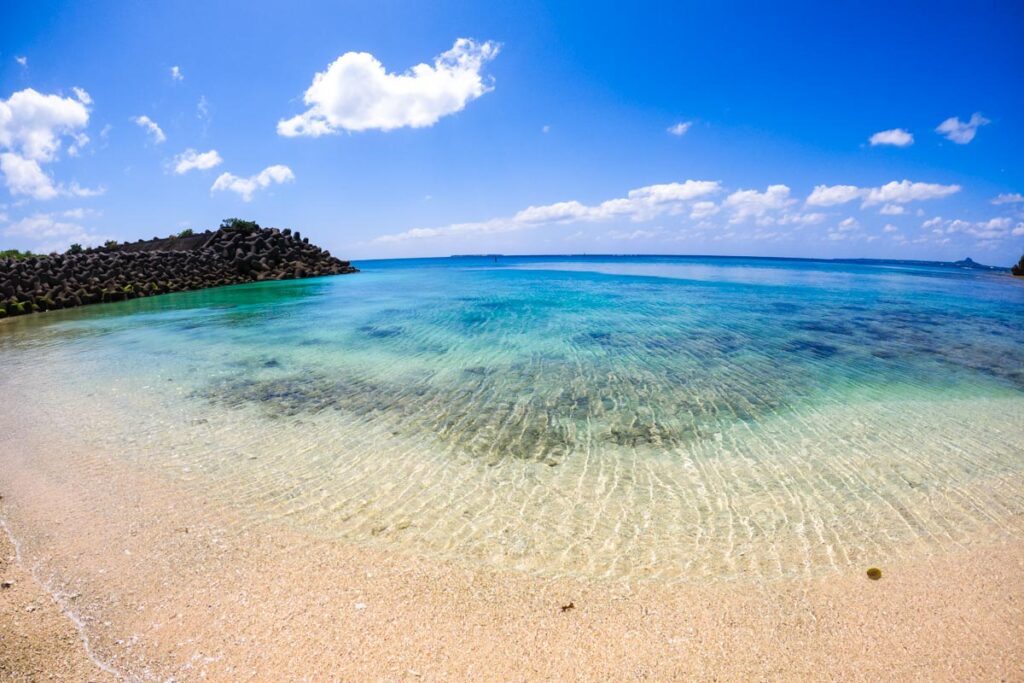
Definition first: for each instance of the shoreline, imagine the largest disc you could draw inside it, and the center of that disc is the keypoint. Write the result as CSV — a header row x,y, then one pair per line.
x,y
175,585
39,638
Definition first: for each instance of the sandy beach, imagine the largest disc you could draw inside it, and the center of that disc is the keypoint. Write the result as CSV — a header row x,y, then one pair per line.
x,y
168,585
676,342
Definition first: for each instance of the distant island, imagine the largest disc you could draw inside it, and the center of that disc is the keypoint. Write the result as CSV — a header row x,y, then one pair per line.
x,y
238,251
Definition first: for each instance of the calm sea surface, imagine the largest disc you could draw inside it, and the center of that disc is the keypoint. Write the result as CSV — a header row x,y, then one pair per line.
x,y
607,416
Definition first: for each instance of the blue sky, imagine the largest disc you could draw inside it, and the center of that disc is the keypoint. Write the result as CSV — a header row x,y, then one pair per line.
x,y
715,128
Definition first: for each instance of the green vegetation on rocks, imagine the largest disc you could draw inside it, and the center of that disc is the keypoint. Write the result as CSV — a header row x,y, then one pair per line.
x,y
16,255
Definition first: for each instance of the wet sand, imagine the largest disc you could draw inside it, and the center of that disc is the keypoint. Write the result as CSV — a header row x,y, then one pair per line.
x,y
171,585
38,642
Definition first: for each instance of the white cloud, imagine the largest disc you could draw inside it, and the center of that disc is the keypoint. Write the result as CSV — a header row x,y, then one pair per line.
x,y
356,93
51,233
905,191
959,131
82,96
25,176
896,137
32,124
825,195
1009,198
892,210
746,204
680,128
846,229
203,109
796,219
190,160
176,74
245,187
890,228
22,60
701,210
993,229
634,235
641,204
890,194
76,190
151,127
545,129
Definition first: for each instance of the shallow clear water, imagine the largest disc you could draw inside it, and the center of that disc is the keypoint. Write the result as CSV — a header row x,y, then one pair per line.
x,y
637,416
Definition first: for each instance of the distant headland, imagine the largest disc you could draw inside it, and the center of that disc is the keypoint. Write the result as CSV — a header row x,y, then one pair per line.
x,y
238,251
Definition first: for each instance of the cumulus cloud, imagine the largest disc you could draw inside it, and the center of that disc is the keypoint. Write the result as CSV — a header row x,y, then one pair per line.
x,y
892,210
26,177
896,137
1009,198
246,187
890,194
905,191
51,233
831,195
32,124
151,127
680,128
993,229
32,129
22,60
356,93
746,204
641,204
844,229
959,131
702,210
176,74
190,160
890,228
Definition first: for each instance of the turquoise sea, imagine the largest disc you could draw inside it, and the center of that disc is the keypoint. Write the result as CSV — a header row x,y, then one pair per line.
x,y
665,417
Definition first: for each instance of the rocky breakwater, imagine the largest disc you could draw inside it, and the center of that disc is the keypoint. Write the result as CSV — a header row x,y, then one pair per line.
x,y
118,272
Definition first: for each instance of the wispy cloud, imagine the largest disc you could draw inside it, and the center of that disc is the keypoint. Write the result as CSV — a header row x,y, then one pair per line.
x,y
962,132
52,233
1009,198
680,128
641,204
150,126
